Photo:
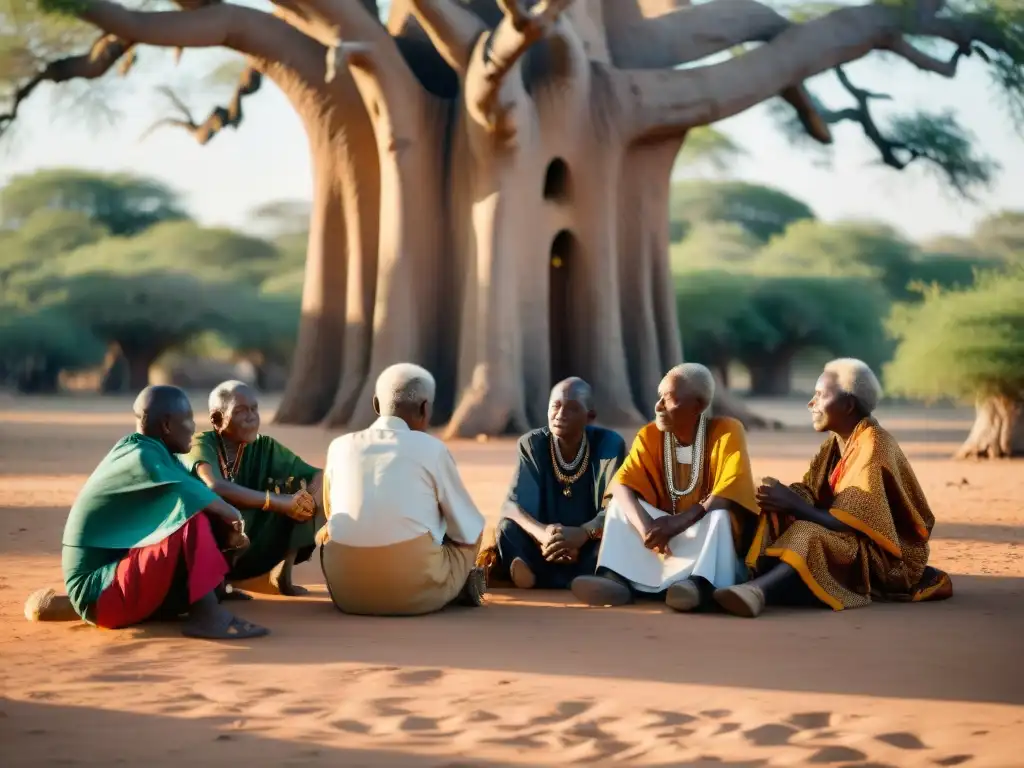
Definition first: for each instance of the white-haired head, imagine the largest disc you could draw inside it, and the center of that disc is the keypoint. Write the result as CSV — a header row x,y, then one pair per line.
x,y
695,380
684,394
224,393
404,387
855,378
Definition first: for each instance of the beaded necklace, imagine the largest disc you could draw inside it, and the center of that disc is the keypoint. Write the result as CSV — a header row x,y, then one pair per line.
x,y
222,459
696,467
567,474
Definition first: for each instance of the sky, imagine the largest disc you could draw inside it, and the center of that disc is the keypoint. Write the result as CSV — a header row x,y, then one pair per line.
x,y
267,158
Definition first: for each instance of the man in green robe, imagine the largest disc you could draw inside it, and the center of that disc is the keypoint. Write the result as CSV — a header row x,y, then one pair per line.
x,y
278,493
141,540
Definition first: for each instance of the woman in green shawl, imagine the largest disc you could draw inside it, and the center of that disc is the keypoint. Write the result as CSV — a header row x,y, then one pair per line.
x,y
278,493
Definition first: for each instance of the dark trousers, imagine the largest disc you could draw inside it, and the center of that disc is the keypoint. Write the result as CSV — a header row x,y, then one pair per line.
x,y
514,542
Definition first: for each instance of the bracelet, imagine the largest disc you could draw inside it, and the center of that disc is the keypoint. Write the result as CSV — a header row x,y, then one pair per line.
x,y
593,533
266,504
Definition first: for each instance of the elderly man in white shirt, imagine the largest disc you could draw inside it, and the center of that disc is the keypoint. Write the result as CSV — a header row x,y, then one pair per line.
x,y
402,532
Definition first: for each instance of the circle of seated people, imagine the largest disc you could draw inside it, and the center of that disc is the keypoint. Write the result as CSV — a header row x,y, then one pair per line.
x,y
170,519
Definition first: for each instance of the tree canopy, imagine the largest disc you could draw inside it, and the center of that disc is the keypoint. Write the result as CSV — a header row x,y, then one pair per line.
x,y
122,203
962,343
762,211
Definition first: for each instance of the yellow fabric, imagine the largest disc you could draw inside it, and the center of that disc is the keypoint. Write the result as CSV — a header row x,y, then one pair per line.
x,y
878,495
726,472
405,579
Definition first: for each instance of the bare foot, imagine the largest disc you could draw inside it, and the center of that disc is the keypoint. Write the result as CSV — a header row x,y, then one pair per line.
x,y
521,574
281,578
47,605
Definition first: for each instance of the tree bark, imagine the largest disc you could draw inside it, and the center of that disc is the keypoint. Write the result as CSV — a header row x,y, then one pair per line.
x,y
998,431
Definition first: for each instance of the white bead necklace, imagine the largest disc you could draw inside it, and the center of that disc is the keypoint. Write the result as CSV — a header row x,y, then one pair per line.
x,y
696,467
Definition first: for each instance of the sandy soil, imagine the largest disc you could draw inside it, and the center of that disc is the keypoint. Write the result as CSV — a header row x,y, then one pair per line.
x,y
530,679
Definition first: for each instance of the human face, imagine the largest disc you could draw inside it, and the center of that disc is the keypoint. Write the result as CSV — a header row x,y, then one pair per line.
x,y
567,418
177,429
830,407
239,423
677,411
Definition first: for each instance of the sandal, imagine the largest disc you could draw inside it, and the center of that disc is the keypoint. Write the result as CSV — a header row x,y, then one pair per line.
x,y
234,629
228,592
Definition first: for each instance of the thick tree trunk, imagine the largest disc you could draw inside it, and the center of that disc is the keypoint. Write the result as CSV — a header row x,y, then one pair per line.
x,y
771,377
139,362
332,354
114,378
998,430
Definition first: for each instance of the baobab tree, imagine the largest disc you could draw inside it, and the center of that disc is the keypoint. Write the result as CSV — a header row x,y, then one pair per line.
x,y
491,176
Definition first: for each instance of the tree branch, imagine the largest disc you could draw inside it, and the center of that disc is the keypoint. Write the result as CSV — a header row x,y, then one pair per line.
x,y
691,34
495,55
667,102
220,118
104,53
452,28
245,30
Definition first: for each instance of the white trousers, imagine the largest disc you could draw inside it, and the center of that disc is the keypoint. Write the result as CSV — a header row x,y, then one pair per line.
x,y
705,549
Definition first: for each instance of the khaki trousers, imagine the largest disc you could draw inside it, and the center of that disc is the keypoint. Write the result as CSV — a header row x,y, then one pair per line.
x,y
405,579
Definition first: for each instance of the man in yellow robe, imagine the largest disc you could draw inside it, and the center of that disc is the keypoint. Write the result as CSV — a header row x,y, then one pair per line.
x,y
682,513
857,527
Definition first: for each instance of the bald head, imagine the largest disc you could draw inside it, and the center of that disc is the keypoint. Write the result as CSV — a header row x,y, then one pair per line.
x,y
165,414
576,389
570,409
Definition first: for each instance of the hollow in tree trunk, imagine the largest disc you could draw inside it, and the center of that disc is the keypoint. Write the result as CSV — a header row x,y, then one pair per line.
x,y
998,430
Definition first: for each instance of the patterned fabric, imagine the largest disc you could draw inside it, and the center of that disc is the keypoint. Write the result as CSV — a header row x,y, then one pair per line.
x,y
874,491
726,474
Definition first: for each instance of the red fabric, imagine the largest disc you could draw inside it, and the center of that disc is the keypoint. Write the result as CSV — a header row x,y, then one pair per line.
x,y
145,574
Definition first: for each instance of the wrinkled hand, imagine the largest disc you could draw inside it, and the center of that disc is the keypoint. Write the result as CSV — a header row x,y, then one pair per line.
x,y
661,530
322,536
302,506
236,538
773,496
562,543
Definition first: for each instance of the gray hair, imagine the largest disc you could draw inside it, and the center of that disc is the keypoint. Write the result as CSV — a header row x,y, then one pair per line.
x,y
401,384
575,389
855,378
698,380
225,392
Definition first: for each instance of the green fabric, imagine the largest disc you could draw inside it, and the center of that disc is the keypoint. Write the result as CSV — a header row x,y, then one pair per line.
x,y
266,465
137,496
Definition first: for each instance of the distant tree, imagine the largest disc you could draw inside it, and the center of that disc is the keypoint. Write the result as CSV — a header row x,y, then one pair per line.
x,y
765,321
1002,235
214,253
280,217
36,345
144,313
263,333
46,234
846,249
762,211
123,203
715,245
968,344
709,147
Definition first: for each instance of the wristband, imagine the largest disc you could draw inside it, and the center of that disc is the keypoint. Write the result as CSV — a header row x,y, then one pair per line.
x,y
266,503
